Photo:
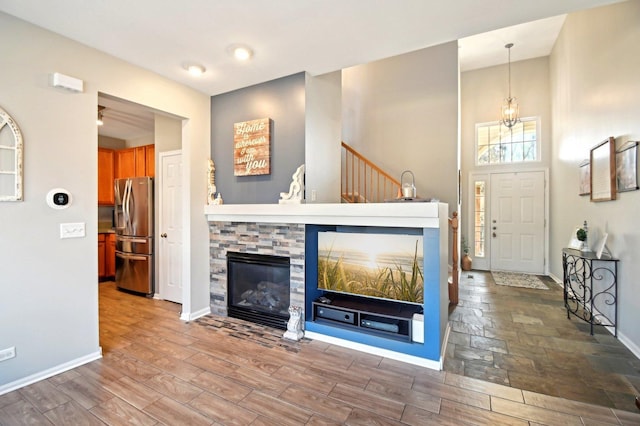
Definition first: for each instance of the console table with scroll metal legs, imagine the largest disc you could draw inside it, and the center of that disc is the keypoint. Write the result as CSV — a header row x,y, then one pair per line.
x,y
591,288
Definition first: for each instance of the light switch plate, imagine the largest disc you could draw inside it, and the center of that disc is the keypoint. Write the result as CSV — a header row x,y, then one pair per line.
x,y
72,230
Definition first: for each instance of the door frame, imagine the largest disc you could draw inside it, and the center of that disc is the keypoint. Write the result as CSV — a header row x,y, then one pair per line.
x,y
485,175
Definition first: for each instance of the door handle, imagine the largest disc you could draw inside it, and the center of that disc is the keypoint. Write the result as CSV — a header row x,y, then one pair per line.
x,y
163,235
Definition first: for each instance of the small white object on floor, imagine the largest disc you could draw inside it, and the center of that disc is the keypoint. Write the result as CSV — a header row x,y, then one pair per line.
x,y
294,326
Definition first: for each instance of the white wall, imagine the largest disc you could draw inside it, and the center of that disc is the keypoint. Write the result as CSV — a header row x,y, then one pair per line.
x,y
483,92
48,286
595,88
323,126
402,113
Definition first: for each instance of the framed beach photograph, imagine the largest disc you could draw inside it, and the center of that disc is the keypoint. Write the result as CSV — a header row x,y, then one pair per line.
x,y
627,167
603,171
585,178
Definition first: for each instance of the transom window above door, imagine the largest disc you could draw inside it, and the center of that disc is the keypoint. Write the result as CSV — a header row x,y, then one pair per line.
x,y
498,144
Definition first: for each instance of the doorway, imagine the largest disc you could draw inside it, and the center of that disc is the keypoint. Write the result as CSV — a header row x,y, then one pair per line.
x,y
127,126
508,228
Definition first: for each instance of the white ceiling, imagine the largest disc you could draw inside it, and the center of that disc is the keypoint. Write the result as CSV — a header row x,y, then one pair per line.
x,y
125,120
287,36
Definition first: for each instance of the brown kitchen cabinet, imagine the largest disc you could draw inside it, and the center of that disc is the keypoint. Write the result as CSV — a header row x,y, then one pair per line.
x,y
125,165
106,160
106,255
102,247
110,255
150,160
135,162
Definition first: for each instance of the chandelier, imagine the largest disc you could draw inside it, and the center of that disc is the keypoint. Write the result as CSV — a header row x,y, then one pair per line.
x,y
510,110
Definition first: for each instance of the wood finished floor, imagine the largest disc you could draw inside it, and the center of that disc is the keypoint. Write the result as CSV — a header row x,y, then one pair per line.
x,y
158,370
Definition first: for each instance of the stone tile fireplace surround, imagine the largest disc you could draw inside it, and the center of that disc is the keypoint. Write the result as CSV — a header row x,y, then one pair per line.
x,y
258,238
281,230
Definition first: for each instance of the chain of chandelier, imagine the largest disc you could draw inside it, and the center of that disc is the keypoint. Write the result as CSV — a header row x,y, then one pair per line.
x,y
510,110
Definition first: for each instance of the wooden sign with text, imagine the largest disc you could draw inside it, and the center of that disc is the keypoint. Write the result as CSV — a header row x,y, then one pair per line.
x,y
251,147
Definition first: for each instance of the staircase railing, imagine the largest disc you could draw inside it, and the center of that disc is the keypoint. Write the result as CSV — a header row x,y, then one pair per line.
x,y
363,181
453,282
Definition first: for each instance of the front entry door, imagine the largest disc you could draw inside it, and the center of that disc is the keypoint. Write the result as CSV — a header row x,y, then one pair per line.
x,y
517,222
171,226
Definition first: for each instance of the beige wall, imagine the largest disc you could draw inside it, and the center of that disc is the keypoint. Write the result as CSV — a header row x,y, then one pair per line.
x,y
482,93
323,96
596,91
49,289
402,113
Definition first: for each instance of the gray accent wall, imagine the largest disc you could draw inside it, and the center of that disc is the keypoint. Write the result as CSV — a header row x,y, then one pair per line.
x,y
281,100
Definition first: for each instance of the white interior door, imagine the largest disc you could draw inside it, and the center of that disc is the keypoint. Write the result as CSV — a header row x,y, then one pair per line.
x,y
170,227
517,222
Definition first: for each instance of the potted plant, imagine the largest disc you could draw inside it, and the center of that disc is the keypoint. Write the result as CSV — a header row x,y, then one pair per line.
x,y
581,235
465,261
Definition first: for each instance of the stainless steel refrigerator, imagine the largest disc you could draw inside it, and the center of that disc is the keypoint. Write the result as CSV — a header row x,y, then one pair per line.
x,y
134,234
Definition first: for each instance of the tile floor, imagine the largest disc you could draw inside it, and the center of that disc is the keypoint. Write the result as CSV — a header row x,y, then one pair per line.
x,y
522,338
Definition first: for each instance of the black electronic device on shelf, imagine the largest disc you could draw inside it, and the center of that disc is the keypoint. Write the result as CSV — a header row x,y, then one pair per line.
x,y
382,318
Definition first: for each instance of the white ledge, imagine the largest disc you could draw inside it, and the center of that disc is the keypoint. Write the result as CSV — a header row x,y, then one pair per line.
x,y
396,214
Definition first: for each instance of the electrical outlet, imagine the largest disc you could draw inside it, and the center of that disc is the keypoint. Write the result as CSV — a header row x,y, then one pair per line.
x,y
314,195
8,353
72,230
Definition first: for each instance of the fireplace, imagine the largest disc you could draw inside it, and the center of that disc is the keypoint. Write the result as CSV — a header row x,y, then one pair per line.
x,y
258,288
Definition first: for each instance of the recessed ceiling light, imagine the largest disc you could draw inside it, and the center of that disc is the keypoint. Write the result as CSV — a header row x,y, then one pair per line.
x,y
241,52
195,69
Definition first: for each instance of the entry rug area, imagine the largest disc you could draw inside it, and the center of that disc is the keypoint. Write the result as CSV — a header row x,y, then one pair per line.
x,y
513,279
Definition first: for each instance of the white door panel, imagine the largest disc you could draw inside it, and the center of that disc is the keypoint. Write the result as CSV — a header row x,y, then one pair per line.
x,y
171,227
517,222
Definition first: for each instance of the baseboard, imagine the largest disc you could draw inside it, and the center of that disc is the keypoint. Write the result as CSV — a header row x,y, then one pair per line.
x,y
187,316
409,359
635,349
50,372
629,344
556,280
444,345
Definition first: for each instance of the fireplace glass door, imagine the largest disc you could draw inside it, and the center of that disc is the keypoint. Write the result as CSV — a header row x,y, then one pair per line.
x,y
259,288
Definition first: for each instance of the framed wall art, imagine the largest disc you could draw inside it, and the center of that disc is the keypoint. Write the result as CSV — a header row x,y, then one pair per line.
x,y
251,147
585,178
627,167
603,171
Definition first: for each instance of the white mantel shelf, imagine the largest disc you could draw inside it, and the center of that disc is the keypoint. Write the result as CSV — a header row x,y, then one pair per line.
x,y
395,214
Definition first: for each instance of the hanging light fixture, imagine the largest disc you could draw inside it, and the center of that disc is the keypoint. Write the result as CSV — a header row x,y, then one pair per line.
x,y
100,120
510,111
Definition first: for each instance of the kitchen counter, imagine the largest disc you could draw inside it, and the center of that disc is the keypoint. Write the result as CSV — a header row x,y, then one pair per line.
x,y
105,228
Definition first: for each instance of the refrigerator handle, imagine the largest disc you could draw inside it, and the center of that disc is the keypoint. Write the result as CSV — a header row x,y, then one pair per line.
x,y
125,203
131,256
116,191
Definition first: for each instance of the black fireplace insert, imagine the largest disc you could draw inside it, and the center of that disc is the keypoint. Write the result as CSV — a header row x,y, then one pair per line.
x,y
259,288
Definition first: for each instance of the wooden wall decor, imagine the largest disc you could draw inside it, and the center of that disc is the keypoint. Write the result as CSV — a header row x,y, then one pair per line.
x,y
603,171
251,147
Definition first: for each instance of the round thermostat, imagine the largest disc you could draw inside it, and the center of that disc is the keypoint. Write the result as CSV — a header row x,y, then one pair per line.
x,y
58,198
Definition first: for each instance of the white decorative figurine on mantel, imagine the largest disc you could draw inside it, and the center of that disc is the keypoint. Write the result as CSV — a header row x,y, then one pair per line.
x,y
296,188
211,184
294,326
